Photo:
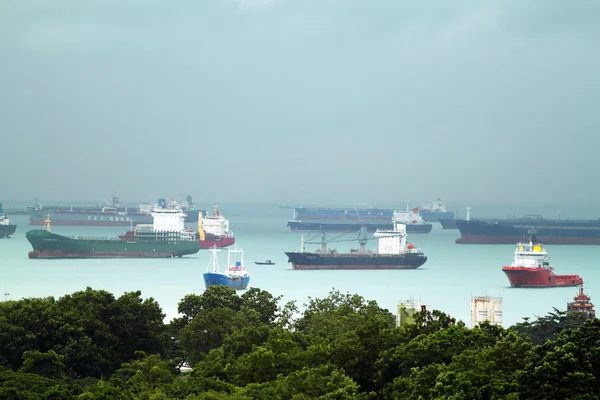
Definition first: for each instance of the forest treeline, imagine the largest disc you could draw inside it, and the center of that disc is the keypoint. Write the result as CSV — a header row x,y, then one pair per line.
x,y
93,345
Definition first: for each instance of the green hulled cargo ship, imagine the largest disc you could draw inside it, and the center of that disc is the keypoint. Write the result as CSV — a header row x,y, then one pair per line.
x,y
165,238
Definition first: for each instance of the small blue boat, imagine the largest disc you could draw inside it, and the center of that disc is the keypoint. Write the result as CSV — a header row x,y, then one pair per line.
x,y
235,276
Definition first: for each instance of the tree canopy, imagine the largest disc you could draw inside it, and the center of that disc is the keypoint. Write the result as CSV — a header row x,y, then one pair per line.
x,y
93,345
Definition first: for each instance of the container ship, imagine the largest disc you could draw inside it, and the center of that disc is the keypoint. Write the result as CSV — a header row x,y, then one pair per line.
x,y
105,214
168,238
394,253
531,268
6,228
353,222
435,211
549,231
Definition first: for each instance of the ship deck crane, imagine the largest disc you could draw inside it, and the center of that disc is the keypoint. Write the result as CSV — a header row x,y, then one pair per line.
x,y
363,237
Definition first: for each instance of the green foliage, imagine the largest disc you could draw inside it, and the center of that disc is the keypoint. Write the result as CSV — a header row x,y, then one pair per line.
x,y
91,330
48,364
91,345
550,326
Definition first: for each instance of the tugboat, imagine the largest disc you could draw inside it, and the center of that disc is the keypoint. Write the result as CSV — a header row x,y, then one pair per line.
x,y
235,277
266,262
531,268
394,253
581,303
6,228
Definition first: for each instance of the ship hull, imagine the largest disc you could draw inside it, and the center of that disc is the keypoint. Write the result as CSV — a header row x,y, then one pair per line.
x,y
315,261
50,245
524,277
217,241
7,230
448,223
306,226
435,215
216,279
547,231
330,213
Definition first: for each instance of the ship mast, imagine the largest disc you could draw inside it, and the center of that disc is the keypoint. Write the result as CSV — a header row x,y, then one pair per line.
x,y
362,238
47,223
323,242
468,216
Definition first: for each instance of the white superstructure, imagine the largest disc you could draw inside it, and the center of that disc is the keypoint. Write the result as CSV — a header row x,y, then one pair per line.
x,y
168,219
393,241
215,224
4,220
486,308
435,206
235,264
531,254
407,216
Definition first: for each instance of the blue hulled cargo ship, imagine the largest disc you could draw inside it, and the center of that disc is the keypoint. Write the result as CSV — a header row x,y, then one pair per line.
x,y
509,231
235,276
345,220
106,214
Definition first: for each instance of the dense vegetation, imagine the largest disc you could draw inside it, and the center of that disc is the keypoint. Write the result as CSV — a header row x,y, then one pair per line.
x,y
91,345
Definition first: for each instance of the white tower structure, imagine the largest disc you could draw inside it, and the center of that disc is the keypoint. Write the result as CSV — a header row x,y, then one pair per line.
x,y
486,308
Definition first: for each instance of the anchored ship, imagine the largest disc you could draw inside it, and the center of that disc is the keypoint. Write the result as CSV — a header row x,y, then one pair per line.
x,y
6,228
214,230
549,231
166,237
105,213
353,222
434,211
581,303
448,223
531,268
394,253
235,276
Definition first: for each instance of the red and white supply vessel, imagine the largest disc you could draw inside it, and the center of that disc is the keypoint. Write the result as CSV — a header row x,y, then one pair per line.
x,y
531,268
214,230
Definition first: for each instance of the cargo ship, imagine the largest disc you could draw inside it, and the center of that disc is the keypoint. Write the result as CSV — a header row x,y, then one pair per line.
x,y
213,231
434,211
581,303
531,268
549,231
235,276
448,223
105,214
363,211
6,228
354,222
394,253
166,239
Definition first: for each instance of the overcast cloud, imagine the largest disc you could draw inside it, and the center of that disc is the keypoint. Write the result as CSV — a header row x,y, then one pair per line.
x,y
314,101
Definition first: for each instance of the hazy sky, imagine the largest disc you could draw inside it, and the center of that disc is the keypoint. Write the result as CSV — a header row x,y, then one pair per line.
x,y
305,100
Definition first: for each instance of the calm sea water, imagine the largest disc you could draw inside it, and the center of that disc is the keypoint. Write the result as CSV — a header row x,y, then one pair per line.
x,y
452,274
